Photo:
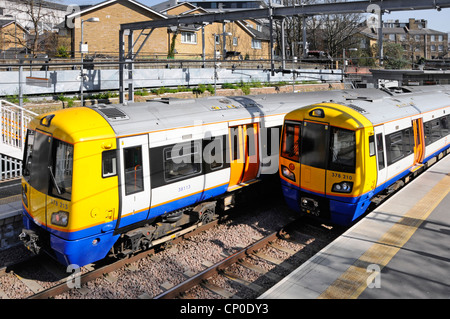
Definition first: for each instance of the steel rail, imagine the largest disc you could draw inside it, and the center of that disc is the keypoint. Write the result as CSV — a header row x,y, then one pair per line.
x,y
216,268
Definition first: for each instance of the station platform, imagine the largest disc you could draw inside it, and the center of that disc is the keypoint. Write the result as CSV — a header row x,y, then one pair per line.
x,y
400,250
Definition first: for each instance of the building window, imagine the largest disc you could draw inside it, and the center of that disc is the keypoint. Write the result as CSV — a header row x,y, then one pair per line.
x,y
235,41
440,48
189,37
433,47
417,37
440,38
217,39
256,44
417,49
432,37
402,37
392,37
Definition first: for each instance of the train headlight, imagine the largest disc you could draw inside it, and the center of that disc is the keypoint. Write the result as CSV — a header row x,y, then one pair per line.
x,y
287,173
60,218
342,187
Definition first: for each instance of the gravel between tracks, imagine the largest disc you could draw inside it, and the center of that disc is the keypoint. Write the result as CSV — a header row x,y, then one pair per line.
x,y
189,255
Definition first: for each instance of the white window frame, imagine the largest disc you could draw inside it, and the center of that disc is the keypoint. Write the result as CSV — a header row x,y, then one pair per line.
x,y
188,37
256,44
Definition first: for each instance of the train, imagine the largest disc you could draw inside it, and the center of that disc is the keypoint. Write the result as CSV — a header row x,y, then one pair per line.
x,y
339,157
113,179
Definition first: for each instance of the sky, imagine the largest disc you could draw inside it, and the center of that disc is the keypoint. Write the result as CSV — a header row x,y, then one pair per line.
x,y
436,20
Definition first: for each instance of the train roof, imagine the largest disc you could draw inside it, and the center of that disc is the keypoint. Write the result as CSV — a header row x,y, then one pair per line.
x,y
400,102
162,114
378,105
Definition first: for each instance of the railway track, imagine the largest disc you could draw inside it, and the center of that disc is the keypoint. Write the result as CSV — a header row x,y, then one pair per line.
x,y
241,276
66,281
40,278
248,242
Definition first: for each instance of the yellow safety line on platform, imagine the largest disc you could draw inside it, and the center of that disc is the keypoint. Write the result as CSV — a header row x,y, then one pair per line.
x,y
356,278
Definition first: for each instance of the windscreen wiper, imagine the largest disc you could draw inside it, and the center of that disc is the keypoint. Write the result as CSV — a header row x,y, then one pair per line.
x,y
54,181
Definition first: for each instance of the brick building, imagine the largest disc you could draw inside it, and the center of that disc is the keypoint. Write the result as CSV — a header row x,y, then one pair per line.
x,y
13,37
250,38
416,39
103,37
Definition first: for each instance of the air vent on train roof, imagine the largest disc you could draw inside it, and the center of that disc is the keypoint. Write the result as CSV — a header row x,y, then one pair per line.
x,y
110,112
357,108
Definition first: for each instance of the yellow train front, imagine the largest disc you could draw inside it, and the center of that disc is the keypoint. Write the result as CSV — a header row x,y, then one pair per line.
x,y
70,200
336,157
323,164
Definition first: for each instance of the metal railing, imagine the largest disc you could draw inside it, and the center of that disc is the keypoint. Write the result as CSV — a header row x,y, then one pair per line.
x,y
13,125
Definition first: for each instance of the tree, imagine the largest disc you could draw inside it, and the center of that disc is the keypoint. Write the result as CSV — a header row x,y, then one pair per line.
x,y
392,55
38,15
335,32
329,33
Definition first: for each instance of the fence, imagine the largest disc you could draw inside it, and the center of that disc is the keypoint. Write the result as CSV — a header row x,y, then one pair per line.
x,y
14,121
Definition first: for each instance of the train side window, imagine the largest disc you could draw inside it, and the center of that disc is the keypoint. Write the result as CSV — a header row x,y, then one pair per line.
x,y
290,144
371,145
27,155
435,130
109,163
444,126
213,153
380,151
394,146
134,175
399,145
408,141
182,161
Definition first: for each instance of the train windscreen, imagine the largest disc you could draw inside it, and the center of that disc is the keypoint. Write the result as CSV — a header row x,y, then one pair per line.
x,y
342,150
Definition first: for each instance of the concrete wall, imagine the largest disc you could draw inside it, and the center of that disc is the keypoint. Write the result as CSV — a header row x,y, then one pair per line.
x,y
10,224
66,81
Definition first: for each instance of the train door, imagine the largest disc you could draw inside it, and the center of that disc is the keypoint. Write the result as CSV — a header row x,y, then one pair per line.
x,y
236,155
381,155
135,179
251,152
419,145
314,156
244,155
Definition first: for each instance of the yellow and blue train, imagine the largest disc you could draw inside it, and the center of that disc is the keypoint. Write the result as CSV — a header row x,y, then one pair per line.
x,y
113,179
337,156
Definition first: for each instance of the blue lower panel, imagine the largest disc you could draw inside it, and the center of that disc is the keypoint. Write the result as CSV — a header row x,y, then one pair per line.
x,y
84,251
291,196
344,213
74,252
